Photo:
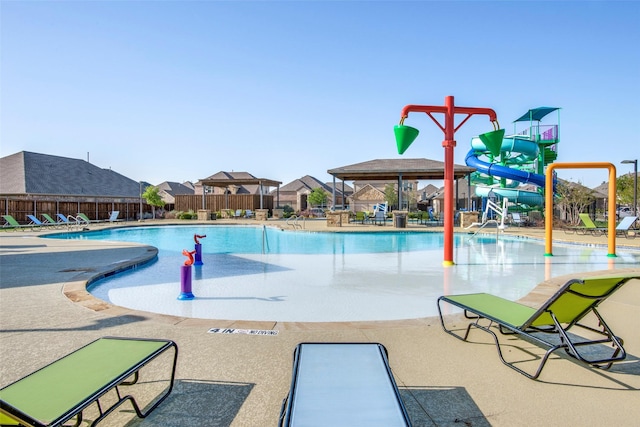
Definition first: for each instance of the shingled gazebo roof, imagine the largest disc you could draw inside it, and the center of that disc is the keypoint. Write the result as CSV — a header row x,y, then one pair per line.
x,y
225,179
392,169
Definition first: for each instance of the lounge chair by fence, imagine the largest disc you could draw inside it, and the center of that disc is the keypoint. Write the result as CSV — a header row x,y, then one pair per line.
x,y
588,226
50,221
624,227
114,216
84,219
35,222
69,221
12,223
516,219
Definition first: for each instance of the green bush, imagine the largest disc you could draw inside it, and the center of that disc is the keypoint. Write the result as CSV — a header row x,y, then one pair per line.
x,y
288,211
186,215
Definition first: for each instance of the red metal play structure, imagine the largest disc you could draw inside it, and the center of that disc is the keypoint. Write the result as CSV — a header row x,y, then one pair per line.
x,y
405,135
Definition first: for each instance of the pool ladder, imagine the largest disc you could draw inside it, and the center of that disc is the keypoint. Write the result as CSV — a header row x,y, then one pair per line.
x,y
293,222
499,227
265,241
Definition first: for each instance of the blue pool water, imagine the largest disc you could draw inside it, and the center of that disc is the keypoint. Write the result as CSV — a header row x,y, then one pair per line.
x,y
263,273
256,240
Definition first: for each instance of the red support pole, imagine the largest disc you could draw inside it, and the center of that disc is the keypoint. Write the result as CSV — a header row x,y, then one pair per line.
x,y
449,110
449,143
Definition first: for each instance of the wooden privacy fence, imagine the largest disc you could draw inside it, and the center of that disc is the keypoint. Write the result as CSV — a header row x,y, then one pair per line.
x,y
219,202
19,208
101,208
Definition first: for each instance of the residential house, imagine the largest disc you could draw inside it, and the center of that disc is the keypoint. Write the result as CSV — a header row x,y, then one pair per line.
x,y
295,193
169,190
225,191
35,183
365,197
232,187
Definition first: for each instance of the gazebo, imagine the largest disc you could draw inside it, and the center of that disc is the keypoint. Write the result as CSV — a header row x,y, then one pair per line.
x,y
395,170
261,182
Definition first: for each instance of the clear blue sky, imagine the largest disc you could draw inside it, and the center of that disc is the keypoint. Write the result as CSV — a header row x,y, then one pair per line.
x,y
175,91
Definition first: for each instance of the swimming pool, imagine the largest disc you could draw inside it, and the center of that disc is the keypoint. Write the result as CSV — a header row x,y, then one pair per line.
x,y
267,274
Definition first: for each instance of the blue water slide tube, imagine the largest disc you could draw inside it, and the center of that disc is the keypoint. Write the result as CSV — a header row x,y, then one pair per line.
x,y
528,150
500,171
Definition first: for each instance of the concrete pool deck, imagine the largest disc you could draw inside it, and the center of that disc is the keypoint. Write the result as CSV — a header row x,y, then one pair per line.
x,y
240,380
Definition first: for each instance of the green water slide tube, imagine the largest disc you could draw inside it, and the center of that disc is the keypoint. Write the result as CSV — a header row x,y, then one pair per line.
x,y
516,152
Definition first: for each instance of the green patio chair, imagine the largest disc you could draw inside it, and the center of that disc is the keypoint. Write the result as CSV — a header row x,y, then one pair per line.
x,y
82,218
549,325
588,226
50,221
360,217
13,224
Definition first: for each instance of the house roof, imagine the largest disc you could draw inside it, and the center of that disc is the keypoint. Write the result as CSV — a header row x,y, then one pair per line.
x,y
224,179
392,169
347,188
366,189
175,188
169,190
34,173
307,182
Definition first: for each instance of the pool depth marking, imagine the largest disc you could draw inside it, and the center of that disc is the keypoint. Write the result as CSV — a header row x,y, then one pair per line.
x,y
232,331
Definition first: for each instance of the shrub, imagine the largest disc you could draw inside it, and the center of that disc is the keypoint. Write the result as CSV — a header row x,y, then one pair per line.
x,y
186,215
287,211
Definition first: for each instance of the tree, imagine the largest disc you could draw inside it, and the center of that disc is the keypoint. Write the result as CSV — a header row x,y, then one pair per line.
x,y
317,197
391,195
410,196
624,189
152,196
573,199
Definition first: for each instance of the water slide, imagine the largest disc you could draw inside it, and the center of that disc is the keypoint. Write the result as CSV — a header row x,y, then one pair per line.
x,y
520,152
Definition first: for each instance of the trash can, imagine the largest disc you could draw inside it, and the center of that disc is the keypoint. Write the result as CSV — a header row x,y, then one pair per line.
x,y
400,220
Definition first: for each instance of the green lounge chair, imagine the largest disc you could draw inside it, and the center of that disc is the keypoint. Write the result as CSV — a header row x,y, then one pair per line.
x,y
12,223
549,325
82,218
63,389
50,221
588,227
